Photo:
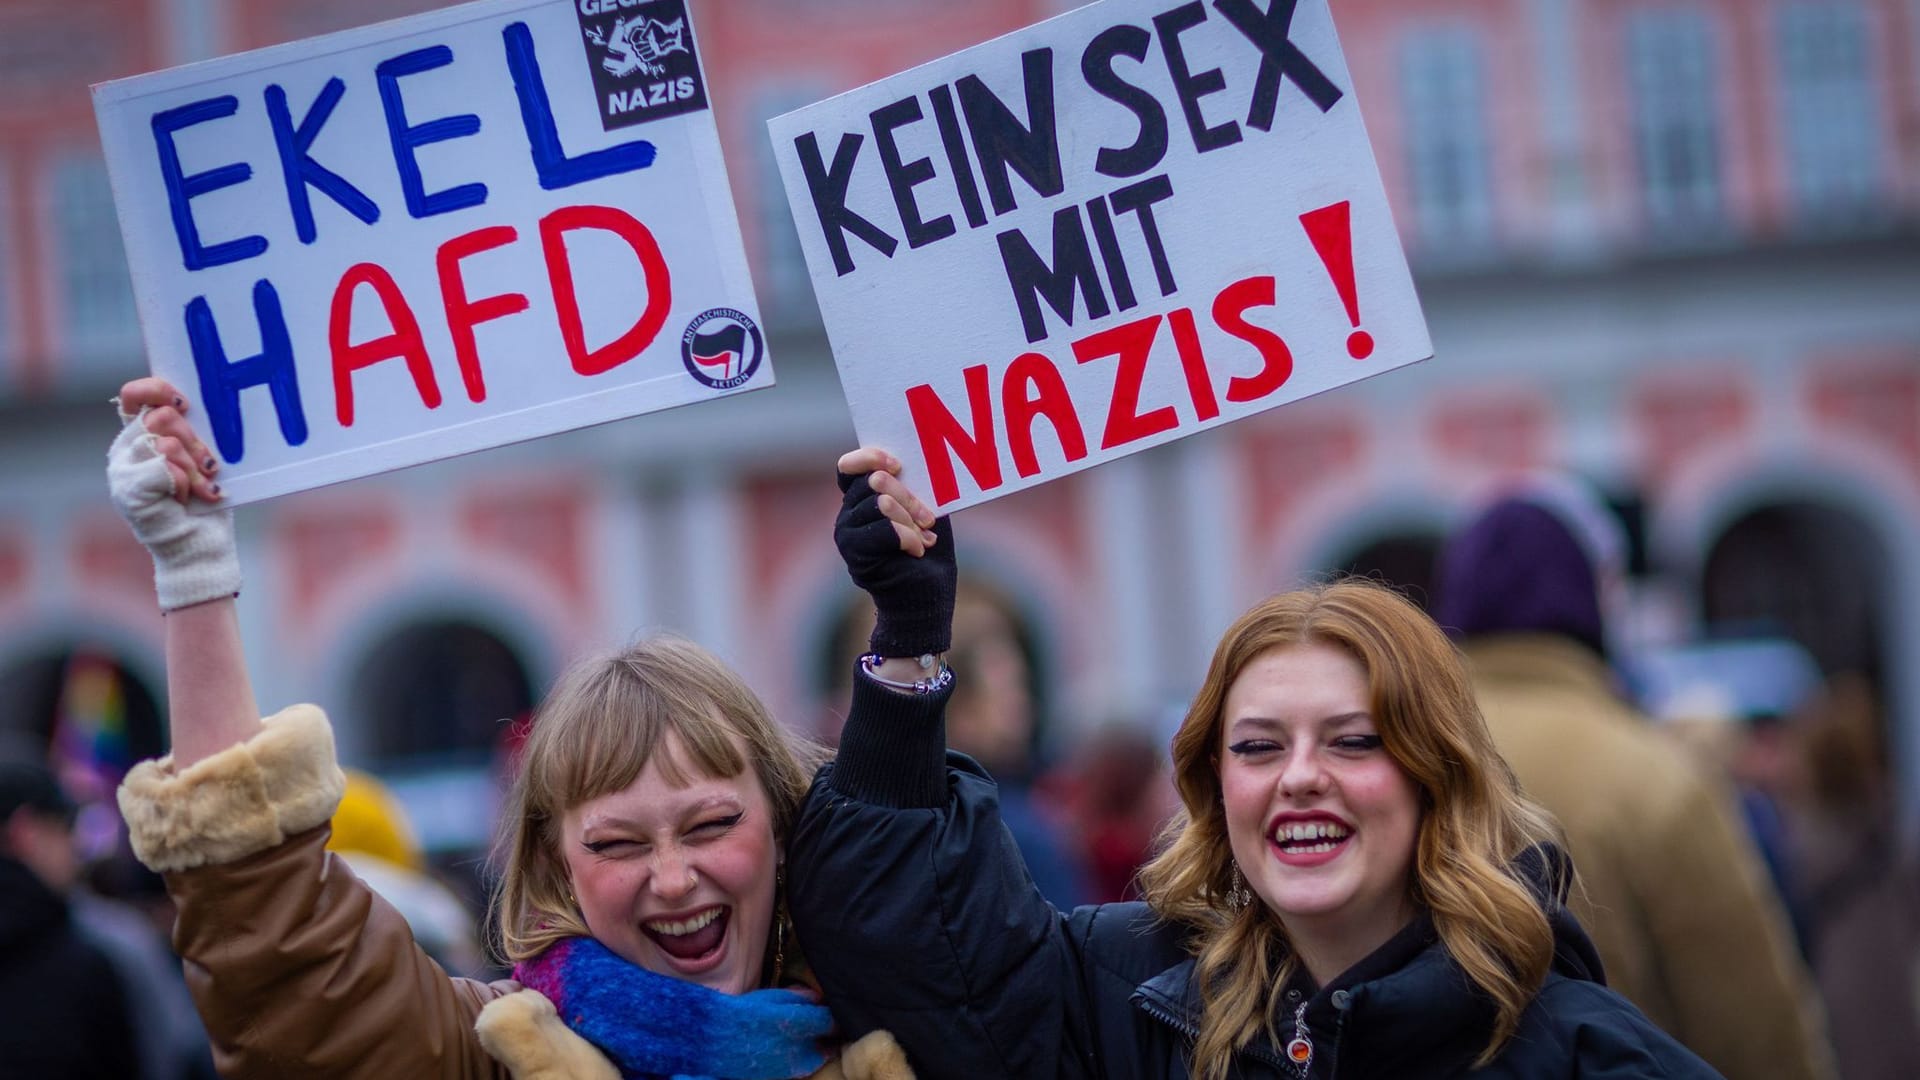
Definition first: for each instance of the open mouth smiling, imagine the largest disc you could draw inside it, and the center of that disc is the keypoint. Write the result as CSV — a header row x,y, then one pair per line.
x,y
1310,841
1310,837
690,938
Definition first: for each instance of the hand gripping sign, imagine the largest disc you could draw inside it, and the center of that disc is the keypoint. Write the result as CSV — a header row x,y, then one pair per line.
x,y
1127,224
434,235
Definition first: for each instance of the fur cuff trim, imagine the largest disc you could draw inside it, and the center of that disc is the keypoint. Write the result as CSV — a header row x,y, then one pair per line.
x,y
873,1056
242,800
523,1032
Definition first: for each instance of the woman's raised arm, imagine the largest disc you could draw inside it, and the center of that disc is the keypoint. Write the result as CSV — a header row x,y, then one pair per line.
x,y
160,475
911,899
296,969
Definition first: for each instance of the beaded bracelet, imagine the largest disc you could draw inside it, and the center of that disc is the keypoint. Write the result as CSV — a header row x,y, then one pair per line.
x,y
935,682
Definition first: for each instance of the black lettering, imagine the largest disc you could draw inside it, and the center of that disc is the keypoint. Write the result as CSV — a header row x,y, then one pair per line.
x,y
828,186
1189,87
1138,199
1000,140
1278,56
1072,271
949,124
902,177
1103,235
1096,67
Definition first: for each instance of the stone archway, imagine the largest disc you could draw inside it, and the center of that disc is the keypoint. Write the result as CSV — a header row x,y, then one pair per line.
x,y
1811,571
86,686
1405,560
439,687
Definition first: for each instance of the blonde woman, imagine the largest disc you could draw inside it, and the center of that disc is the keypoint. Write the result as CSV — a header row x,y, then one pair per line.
x,y
1356,889
641,900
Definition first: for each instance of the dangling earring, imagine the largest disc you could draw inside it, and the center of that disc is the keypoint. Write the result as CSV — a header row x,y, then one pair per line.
x,y
1238,895
779,923
779,947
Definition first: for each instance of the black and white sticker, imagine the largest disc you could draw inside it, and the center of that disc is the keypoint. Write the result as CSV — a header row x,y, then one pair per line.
x,y
641,56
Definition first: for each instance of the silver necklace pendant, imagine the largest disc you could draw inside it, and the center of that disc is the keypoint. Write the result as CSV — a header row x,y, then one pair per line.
x,y
1300,1047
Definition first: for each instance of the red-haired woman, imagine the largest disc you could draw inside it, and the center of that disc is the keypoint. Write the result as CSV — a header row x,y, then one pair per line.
x,y
1356,888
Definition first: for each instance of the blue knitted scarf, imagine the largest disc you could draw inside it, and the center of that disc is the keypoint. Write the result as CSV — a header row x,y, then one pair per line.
x,y
654,1026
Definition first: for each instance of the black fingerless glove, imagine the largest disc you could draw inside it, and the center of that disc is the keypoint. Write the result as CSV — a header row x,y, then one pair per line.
x,y
912,597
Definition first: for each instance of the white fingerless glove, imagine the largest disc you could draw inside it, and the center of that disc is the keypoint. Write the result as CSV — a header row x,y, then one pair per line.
x,y
195,558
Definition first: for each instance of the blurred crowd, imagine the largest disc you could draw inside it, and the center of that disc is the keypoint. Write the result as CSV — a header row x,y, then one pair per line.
x,y
1730,808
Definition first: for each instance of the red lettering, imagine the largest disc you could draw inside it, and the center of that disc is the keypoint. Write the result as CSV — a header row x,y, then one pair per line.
x,y
553,228
1131,342
940,433
1228,311
403,342
1193,361
464,314
1041,392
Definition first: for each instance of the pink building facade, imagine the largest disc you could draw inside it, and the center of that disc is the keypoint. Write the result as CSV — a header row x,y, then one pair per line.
x,y
1672,244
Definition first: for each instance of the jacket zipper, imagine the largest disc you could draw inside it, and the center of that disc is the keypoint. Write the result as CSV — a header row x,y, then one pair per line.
x,y
1166,1016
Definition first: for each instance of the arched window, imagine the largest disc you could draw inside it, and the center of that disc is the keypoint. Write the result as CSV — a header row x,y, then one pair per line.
x,y
84,706
1405,560
1809,571
993,642
439,688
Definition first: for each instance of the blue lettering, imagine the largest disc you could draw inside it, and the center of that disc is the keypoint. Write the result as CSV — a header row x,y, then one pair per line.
x,y
221,380
299,169
182,188
406,139
550,160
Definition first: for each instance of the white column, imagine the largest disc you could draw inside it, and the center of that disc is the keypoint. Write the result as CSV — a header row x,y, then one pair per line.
x,y
281,677
1122,505
709,563
1212,526
49,552
620,549
194,30
1902,693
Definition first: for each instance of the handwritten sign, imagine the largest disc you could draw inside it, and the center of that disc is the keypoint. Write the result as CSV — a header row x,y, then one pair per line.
x,y
434,235
1127,224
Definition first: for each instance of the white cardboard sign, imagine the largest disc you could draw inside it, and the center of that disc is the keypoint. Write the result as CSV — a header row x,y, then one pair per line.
x,y
433,235
1129,223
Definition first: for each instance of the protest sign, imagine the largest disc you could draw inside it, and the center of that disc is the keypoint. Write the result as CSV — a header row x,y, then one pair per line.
x,y
434,235
1130,223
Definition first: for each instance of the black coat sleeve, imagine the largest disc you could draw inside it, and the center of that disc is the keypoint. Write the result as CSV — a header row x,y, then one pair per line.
x,y
915,909
1581,1029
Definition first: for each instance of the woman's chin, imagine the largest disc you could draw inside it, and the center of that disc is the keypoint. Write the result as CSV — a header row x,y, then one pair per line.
x,y
728,978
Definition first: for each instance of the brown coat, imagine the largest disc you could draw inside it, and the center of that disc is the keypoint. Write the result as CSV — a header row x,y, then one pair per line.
x,y
300,970
1671,886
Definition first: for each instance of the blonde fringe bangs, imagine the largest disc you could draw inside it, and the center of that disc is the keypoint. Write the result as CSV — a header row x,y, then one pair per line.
x,y
595,732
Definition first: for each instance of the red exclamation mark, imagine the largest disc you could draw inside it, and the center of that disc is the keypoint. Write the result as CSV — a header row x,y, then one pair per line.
x,y
1331,230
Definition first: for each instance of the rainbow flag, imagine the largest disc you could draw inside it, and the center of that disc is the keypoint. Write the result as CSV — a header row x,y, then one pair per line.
x,y
90,748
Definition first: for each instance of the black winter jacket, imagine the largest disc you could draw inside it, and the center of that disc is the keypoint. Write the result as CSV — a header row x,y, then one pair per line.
x,y
63,1008
916,911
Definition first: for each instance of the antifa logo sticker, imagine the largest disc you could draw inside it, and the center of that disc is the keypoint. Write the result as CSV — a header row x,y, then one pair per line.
x,y
640,53
721,348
